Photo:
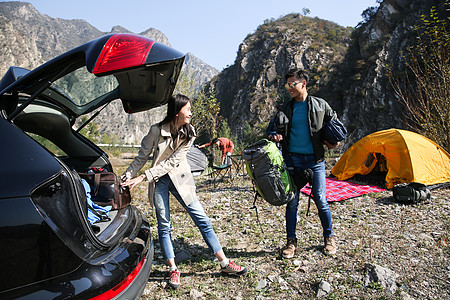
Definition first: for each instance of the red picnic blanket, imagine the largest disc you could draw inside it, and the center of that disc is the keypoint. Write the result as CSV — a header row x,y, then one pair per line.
x,y
338,190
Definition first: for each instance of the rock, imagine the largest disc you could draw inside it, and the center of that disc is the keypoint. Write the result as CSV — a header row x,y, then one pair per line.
x,y
196,294
356,277
384,276
182,256
238,297
281,280
297,262
323,289
261,284
405,296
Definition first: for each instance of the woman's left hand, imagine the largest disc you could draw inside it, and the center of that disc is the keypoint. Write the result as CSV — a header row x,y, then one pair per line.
x,y
134,181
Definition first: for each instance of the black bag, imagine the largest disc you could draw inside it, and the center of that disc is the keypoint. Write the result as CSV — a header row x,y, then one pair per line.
x,y
302,178
106,189
412,192
333,131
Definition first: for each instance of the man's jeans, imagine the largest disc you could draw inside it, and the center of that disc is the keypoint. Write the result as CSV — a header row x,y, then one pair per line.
x,y
195,210
300,162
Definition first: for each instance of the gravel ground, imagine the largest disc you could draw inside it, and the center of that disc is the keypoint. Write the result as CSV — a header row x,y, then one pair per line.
x,y
411,241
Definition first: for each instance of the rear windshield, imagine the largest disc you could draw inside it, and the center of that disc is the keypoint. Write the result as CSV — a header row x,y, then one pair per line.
x,y
83,87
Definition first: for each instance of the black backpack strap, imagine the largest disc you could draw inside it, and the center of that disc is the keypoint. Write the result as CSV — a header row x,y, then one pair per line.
x,y
309,203
252,167
256,210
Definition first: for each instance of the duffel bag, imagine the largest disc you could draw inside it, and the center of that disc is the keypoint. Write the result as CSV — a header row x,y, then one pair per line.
x,y
106,189
412,192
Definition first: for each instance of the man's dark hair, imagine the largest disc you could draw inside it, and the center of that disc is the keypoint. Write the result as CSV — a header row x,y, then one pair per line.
x,y
214,140
299,73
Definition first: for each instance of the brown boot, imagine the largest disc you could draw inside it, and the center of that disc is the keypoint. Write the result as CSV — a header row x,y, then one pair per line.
x,y
290,248
330,246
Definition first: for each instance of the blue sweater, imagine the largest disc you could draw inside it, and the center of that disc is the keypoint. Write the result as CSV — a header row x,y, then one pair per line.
x,y
300,138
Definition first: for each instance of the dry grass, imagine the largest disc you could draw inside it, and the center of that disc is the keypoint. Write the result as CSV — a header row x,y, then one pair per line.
x,y
411,240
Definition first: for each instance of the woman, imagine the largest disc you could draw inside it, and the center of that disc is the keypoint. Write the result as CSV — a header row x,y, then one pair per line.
x,y
170,140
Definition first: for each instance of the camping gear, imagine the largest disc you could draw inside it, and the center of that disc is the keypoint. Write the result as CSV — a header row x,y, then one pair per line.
x,y
405,156
106,189
338,190
333,131
412,192
303,178
266,167
197,160
220,172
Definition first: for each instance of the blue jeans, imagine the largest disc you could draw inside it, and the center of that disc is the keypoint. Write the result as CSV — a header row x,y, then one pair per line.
x,y
298,163
195,210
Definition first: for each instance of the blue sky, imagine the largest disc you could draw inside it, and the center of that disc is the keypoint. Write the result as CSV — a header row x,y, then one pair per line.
x,y
211,30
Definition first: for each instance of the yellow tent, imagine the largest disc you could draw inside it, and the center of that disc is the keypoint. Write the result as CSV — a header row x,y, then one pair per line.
x,y
405,155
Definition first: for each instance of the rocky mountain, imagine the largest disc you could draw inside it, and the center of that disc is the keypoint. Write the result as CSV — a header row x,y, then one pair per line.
x,y
347,67
199,71
29,38
250,88
366,99
24,29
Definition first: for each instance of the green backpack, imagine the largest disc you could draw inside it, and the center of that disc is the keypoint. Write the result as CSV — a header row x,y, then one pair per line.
x,y
266,167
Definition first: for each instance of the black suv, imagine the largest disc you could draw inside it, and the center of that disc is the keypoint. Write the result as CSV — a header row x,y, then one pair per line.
x,y
48,248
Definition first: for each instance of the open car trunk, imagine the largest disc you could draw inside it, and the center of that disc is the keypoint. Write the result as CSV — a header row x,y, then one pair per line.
x,y
46,102
77,156
50,241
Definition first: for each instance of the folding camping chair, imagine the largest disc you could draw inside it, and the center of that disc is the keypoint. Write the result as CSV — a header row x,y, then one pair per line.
x,y
220,172
239,164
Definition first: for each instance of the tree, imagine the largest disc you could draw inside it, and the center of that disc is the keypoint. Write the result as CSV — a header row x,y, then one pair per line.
x,y
306,11
253,133
368,13
206,117
424,90
224,130
185,85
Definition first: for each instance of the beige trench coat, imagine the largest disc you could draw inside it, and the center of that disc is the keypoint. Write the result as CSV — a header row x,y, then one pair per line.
x,y
169,158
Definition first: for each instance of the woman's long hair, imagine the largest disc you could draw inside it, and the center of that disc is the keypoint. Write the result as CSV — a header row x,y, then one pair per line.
x,y
174,105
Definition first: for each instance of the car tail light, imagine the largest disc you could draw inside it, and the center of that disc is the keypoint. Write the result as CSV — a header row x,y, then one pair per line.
x,y
123,51
121,286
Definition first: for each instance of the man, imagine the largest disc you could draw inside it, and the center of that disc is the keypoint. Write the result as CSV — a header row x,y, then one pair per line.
x,y
225,145
299,122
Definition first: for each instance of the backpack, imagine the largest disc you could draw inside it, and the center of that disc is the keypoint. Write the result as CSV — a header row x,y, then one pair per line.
x,y
266,167
412,192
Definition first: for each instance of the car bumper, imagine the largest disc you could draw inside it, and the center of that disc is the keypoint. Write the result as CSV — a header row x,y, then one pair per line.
x,y
136,288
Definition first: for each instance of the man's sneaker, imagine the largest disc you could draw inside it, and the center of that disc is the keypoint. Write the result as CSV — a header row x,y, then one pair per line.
x,y
290,248
233,269
174,279
330,245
